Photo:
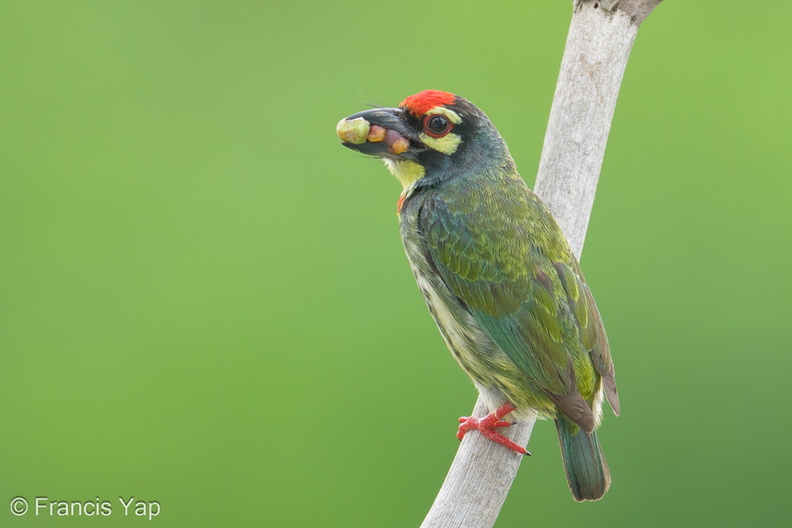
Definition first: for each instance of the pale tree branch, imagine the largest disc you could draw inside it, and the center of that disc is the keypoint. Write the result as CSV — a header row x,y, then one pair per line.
x,y
598,46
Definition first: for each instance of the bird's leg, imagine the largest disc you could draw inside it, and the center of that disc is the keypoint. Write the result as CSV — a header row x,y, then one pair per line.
x,y
487,427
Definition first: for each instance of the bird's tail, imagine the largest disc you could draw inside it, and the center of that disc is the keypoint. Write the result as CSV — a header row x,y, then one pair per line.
x,y
586,469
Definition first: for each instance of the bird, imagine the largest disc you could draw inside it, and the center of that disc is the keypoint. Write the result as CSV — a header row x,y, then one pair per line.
x,y
497,275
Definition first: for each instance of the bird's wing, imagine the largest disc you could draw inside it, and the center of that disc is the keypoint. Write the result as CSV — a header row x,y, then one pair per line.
x,y
589,322
502,255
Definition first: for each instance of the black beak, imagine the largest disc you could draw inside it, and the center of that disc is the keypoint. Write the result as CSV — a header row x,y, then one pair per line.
x,y
380,132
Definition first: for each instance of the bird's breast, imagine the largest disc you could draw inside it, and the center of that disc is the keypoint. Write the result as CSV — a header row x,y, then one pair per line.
x,y
476,353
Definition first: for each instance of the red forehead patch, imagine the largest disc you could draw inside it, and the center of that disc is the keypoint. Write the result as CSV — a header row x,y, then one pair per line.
x,y
422,102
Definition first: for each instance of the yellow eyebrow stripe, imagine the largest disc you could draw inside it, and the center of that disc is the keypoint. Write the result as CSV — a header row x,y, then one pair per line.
x,y
450,114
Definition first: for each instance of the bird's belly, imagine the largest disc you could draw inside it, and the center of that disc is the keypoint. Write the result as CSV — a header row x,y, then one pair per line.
x,y
497,378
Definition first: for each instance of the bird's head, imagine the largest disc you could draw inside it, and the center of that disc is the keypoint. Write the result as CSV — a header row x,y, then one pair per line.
x,y
432,136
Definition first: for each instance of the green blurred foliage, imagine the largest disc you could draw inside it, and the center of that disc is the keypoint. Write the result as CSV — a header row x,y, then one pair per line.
x,y
204,300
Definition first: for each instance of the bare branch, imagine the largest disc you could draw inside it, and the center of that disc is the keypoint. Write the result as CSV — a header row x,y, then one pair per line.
x,y
598,46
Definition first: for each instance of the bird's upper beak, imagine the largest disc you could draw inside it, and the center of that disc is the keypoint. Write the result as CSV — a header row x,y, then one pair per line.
x,y
380,132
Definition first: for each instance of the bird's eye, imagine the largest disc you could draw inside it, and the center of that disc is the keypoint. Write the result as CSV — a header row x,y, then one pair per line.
x,y
437,125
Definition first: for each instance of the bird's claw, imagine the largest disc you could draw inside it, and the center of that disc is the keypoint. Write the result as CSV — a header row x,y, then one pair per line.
x,y
487,426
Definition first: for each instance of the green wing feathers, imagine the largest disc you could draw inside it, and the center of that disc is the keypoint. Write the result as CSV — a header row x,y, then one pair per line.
x,y
592,331
500,252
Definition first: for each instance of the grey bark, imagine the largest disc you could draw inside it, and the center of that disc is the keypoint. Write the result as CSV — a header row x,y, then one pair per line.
x,y
598,46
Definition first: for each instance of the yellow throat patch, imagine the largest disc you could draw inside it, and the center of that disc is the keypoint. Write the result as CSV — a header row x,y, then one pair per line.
x,y
407,172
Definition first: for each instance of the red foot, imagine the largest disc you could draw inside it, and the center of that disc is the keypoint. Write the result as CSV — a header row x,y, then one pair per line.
x,y
487,427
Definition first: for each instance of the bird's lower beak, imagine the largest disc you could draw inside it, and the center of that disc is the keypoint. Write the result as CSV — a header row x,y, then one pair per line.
x,y
379,132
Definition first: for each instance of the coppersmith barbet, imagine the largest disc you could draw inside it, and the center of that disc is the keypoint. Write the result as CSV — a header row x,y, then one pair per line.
x,y
497,275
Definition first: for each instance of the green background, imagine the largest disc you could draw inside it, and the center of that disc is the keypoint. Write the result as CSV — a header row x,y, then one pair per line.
x,y
204,299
